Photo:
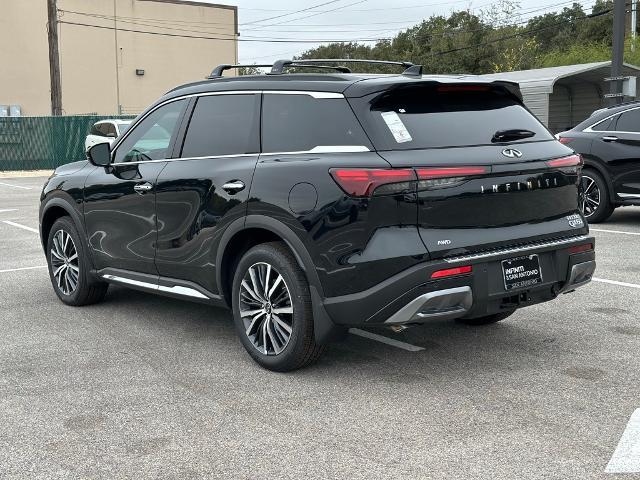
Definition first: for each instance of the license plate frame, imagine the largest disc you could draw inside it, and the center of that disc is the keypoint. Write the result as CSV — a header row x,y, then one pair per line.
x,y
525,273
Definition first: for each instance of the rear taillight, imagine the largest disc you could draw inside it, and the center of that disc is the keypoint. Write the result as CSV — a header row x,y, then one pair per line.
x,y
570,161
565,140
440,177
587,247
362,182
452,272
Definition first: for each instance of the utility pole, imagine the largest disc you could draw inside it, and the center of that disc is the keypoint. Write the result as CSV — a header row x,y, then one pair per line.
x,y
54,58
617,54
634,23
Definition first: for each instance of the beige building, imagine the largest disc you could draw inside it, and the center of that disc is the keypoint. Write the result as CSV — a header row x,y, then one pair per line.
x,y
116,56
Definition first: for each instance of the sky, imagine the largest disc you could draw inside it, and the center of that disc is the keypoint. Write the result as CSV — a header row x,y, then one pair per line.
x,y
346,20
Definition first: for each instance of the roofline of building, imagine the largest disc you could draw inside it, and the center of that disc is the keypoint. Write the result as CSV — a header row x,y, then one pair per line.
x,y
195,3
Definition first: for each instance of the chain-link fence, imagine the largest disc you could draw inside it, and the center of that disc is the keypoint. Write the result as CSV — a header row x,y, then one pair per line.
x,y
34,143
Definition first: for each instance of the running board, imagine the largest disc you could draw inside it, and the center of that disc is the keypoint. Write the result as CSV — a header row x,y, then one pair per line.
x,y
157,284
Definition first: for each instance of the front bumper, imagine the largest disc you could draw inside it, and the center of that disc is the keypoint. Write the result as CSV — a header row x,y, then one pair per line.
x,y
411,297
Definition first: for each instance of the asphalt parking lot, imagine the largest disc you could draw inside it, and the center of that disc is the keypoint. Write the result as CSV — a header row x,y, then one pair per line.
x,y
143,386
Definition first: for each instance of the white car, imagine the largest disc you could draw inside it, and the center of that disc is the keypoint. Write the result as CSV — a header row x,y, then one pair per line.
x,y
105,131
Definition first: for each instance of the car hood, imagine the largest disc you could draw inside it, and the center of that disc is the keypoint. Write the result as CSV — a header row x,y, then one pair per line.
x,y
71,168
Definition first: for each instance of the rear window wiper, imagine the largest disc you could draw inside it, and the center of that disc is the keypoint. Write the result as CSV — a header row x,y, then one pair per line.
x,y
511,134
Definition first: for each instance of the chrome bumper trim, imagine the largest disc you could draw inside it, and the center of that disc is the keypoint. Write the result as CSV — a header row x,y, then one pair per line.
x,y
580,275
441,304
516,250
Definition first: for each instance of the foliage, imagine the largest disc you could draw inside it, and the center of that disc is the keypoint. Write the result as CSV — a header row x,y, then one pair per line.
x,y
495,39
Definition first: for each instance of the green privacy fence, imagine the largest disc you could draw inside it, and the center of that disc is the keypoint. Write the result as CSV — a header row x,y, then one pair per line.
x,y
34,143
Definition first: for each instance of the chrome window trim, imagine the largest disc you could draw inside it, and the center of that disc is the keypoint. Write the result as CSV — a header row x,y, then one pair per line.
x,y
134,123
515,250
590,129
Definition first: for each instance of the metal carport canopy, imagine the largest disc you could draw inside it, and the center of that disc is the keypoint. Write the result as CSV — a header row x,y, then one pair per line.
x,y
538,84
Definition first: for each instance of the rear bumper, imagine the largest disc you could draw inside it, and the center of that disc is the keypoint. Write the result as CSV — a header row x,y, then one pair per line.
x,y
412,297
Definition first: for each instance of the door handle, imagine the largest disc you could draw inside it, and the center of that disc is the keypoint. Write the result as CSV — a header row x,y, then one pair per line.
x,y
233,187
609,138
143,188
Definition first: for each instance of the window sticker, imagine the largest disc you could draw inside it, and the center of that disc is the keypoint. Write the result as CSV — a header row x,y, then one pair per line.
x,y
396,127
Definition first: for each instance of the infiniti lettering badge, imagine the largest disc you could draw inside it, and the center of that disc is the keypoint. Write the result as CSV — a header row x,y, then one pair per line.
x,y
511,153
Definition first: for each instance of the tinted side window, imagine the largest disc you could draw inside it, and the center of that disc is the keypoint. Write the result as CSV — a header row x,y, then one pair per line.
x,y
110,129
629,121
223,125
150,139
95,130
293,123
605,125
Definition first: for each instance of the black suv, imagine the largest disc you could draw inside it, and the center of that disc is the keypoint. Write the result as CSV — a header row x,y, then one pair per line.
x,y
609,142
311,202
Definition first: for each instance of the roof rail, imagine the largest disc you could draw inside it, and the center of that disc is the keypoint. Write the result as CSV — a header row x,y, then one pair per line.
x,y
410,68
218,71
321,63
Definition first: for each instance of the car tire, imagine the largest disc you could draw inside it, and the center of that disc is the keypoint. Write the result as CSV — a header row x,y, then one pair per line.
x,y
69,266
595,201
487,320
278,333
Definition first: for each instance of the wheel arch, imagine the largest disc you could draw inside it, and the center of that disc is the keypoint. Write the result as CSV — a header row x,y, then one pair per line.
x,y
53,209
252,230
598,167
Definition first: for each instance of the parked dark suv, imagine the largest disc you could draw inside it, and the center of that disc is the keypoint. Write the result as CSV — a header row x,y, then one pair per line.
x,y
310,202
609,142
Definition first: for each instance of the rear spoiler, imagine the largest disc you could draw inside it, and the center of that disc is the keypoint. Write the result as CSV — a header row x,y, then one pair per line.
x,y
512,87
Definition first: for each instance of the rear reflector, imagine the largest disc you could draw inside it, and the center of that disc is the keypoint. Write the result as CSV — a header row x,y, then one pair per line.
x,y
570,161
450,172
451,272
587,247
361,182
565,140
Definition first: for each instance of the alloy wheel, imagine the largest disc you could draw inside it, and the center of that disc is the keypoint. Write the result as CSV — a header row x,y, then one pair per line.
x,y
266,309
590,196
64,262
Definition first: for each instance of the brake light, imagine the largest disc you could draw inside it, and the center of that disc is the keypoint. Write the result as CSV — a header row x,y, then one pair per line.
x,y
570,161
450,172
587,247
362,182
451,272
565,140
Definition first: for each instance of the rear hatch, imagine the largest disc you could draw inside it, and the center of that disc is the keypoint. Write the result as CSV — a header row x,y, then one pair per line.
x,y
489,173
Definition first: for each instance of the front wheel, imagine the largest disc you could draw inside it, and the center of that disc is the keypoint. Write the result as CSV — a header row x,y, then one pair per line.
x,y
69,268
272,309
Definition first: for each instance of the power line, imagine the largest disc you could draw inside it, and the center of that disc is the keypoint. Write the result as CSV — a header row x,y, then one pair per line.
x,y
266,40
293,13
519,34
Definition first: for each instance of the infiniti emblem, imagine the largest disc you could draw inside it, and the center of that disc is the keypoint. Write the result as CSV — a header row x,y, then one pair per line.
x,y
511,153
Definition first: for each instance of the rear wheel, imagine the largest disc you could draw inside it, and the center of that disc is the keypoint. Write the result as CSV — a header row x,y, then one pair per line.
x,y
595,202
487,320
272,309
69,266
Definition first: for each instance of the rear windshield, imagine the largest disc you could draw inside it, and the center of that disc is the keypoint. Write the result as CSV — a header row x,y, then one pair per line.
x,y
436,115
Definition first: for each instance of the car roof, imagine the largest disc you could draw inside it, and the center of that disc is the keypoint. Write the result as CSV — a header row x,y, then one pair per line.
x,y
349,84
114,120
603,113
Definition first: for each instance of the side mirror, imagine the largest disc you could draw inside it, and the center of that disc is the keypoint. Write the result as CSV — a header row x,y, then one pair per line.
x,y
100,154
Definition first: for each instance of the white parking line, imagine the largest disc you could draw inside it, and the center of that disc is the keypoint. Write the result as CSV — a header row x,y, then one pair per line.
x,y
626,458
15,186
387,340
24,227
22,268
613,231
8,210
614,282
